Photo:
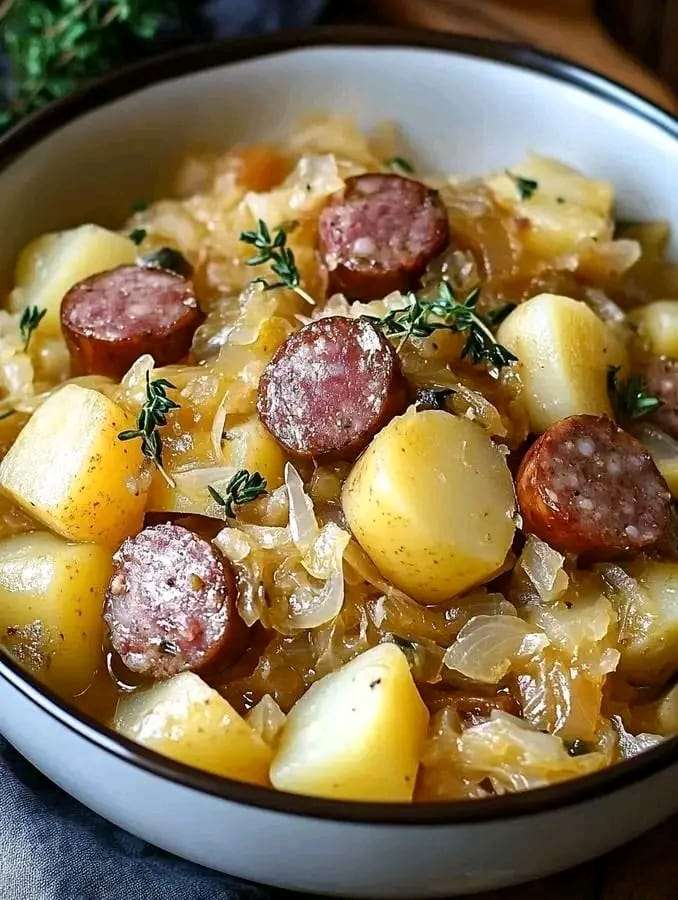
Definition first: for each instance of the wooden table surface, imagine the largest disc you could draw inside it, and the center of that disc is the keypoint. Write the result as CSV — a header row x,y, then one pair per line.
x,y
646,869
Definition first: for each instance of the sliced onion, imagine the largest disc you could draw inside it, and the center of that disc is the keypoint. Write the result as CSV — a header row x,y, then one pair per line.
x,y
310,608
544,567
233,543
267,719
326,553
487,646
303,524
516,757
629,601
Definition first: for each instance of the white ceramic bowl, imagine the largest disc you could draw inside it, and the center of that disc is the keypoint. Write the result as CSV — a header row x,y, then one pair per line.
x,y
465,106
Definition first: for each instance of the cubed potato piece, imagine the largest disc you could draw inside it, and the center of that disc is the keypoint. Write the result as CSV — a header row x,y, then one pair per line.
x,y
565,208
50,265
356,734
650,654
187,720
556,180
247,445
51,600
564,352
657,325
69,470
431,501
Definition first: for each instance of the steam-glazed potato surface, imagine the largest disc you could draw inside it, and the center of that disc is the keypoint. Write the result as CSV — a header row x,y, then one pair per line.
x,y
344,478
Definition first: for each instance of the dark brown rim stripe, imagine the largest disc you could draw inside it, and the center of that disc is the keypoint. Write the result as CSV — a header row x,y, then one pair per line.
x,y
194,59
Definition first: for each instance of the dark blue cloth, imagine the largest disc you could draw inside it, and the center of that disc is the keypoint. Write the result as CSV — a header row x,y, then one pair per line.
x,y
52,847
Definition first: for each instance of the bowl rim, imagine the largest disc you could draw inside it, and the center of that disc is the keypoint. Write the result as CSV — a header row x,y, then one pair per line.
x,y
195,58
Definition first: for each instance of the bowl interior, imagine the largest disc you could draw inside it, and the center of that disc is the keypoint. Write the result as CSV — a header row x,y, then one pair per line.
x,y
458,113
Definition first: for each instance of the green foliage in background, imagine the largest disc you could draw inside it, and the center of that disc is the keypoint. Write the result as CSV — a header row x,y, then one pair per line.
x,y
54,46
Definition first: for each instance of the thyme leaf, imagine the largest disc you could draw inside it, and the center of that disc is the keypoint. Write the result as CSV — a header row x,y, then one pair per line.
x,y
400,164
153,415
526,186
420,318
29,321
274,250
629,397
138,235
170,259
242,488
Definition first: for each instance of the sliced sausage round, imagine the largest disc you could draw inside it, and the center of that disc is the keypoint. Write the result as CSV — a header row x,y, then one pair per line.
x,y
661,381
587,486
380,234
330,387
170,603
111,319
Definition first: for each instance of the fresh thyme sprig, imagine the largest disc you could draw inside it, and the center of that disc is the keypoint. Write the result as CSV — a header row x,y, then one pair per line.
x,y
138,236
526,186
31,317
242,488
54,46
630,398
153,415
420,318
275,250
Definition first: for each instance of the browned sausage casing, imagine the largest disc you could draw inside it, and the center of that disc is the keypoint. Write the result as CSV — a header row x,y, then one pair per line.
x,y
170,604
380,234
587,486
330,387
111,319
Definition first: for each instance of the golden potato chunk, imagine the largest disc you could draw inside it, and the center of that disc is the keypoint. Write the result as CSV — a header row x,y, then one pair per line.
x,y
562,206
247,445
50,265
356,734
187,720
431,501
68,469
51,599
564,352
649,652
657,325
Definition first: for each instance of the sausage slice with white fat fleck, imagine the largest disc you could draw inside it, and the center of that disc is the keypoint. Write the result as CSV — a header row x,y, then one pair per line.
x,y
330,387
587,486
170,604
111,319
379,235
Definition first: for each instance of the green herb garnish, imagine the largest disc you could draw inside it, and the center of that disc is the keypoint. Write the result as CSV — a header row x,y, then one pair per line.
x,y
242,488
30,319
170,259
138,235
399,163
139,206
54,46
275,251
432,398
526,186
153,415
6,414
420,318
629,398
577,747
